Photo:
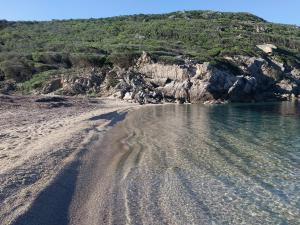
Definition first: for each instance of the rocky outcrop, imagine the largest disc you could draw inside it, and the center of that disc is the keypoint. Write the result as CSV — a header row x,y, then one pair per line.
x,y
161,71
134,87
75,84
189,83
81,84
259,79
52,86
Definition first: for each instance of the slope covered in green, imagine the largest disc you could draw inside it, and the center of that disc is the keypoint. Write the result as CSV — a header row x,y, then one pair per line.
x,y
30,48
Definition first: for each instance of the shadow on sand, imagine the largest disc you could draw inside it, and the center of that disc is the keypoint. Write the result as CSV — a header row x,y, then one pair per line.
x,y
114,117
51,206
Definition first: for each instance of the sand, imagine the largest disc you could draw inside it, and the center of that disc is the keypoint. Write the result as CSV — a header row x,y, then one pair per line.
x,y
41,141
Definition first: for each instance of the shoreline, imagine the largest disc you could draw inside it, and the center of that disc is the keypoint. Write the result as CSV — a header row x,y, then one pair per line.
x,y
41,147
56,181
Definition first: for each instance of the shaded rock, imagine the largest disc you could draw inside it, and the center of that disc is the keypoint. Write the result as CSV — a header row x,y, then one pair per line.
x,y
288,86
154,97
52,86
220,82
243,89
135,87
140,97
266,96
83,84
159,82
123,87
145,97
265,71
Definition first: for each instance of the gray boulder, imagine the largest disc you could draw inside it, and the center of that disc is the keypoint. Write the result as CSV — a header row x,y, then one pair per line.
x,y
243,89
75,85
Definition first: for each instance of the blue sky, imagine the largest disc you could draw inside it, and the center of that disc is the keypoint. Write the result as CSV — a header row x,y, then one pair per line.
x,y
282,11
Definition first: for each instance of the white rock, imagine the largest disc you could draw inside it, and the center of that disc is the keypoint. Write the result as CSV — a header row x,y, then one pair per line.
x,y
128,96
267,48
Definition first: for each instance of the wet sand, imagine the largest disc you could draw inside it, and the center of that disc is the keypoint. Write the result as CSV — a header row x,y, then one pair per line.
x,y
192,164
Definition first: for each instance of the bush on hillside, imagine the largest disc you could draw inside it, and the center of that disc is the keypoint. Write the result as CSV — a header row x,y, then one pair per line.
x,y
87,60
124,60
18,69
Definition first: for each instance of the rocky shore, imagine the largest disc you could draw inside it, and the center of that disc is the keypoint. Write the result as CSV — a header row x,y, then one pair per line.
x,y
236,79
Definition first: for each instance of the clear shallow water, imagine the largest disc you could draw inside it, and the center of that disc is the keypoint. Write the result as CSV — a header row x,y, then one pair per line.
x,y
195,164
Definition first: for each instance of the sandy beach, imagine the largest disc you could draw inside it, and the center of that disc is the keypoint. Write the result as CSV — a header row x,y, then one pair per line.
x,y
41,141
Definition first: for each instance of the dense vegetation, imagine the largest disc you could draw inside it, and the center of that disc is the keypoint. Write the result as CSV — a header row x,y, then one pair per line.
x,y
29,49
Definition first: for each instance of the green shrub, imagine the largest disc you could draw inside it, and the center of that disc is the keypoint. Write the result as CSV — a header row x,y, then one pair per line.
x,y
51,58
170,60
86,60
17,69
40,67
37,81
199,35
124,60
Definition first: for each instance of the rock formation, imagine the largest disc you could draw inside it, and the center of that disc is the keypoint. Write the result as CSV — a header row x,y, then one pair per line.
x,y
259,79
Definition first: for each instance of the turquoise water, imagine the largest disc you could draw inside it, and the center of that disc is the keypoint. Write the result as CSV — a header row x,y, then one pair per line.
x,y
195,164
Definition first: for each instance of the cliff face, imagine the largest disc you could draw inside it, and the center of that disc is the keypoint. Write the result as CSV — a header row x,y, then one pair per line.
x,y
260,79
252,79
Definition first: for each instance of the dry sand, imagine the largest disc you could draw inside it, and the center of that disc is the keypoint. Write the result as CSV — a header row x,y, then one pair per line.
x,y
40,143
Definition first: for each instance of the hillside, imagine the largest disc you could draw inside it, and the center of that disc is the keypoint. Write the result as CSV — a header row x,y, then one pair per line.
x,y
31,52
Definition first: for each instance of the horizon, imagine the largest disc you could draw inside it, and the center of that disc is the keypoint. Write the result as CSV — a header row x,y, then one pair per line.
x,y
34,10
